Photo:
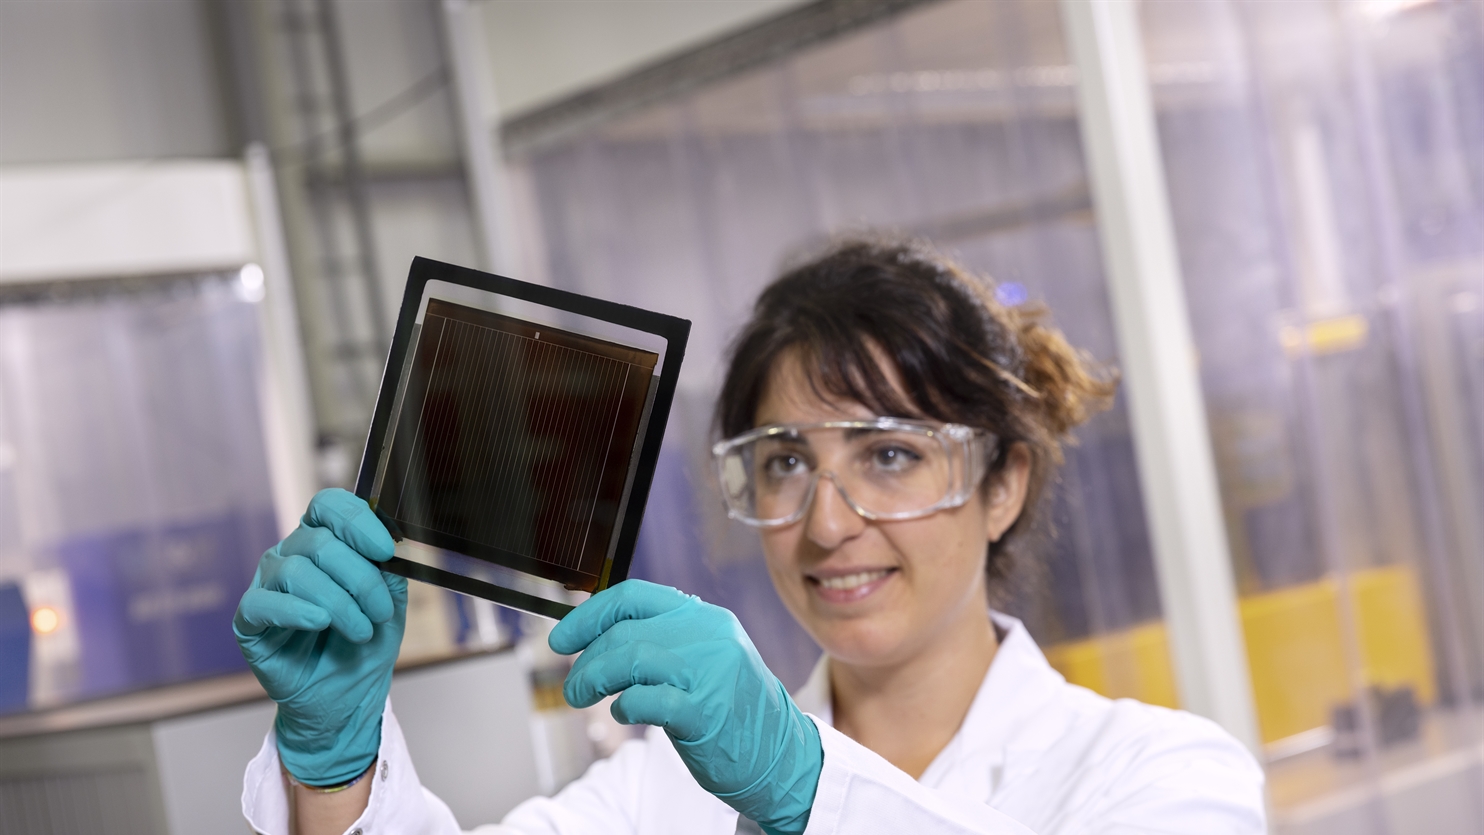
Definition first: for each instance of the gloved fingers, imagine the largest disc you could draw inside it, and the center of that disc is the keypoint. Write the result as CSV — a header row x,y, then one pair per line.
x,y
597,675
345,566
261,609
663,705
629,600
625,632
353,521
299,577
396,586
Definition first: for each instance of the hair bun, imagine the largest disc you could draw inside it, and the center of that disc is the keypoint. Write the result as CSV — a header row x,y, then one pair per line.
x,y
1071,385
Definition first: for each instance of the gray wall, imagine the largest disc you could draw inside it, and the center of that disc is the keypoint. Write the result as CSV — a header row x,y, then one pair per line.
x,y
110,79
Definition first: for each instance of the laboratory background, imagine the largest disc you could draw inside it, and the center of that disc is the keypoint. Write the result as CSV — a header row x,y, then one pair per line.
x,y
1268,214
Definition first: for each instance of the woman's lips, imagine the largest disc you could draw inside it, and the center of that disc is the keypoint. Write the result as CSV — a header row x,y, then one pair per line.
x,y
848,588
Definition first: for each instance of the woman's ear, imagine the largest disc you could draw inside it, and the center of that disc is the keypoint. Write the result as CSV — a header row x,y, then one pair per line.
x,y
1004,497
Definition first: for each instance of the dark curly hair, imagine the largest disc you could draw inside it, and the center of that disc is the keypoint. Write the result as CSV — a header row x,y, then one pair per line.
x,y
961,356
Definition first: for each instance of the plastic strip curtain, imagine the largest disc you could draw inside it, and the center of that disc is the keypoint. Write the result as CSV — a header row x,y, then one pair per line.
x,y
955,120
134,492
1326,172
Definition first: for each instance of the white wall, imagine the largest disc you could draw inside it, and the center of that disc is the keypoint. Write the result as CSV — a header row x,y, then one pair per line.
x,y
101,220
542,50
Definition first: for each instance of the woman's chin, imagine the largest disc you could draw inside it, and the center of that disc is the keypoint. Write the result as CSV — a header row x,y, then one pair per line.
x,y
874,630
867,641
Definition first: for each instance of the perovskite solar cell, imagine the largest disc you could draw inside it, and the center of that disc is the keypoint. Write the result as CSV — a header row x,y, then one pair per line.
x,y
509,457
514,440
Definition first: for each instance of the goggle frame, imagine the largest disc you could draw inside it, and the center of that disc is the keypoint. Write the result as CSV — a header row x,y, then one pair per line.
x,y
968,467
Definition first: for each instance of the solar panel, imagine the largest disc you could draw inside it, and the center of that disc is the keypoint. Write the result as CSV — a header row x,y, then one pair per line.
x,y
516,434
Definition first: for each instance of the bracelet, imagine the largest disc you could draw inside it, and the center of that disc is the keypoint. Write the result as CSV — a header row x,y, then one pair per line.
x,y
331,789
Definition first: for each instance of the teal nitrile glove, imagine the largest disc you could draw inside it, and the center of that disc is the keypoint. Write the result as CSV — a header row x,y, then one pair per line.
x,y
688,667
320,627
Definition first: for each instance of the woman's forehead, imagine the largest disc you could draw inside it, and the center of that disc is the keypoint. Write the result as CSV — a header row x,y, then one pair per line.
x,y
793,395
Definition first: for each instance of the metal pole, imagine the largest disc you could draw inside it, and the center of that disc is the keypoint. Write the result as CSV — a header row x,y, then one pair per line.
x,y
1176,468
288,423
354,176
478,113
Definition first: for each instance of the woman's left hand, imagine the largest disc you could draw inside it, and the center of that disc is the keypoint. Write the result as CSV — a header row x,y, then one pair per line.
x,y
688,667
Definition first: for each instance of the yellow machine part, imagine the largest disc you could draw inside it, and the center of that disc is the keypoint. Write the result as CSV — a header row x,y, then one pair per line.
x,y
1133,663
1295,650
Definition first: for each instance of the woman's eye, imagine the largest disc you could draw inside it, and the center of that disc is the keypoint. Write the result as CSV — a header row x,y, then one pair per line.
x,y
783,466
894,458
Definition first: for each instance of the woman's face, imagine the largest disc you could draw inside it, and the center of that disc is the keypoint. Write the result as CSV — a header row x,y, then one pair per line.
x,y
874,593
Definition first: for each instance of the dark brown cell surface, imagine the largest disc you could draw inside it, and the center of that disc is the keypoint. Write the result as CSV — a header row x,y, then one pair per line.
x,y
513,442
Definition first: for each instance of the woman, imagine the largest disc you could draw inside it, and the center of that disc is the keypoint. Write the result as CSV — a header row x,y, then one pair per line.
x,y
890,431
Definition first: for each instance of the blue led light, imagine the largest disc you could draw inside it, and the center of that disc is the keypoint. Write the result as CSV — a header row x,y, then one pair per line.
x,y
1010,294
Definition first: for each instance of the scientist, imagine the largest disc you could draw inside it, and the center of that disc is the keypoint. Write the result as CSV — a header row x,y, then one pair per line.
x,y
889,431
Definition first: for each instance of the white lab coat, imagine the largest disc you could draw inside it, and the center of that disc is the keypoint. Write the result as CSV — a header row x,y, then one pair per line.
x,y
1034,756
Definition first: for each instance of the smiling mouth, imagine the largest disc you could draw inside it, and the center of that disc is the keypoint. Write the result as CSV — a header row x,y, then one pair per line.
x,y
850,582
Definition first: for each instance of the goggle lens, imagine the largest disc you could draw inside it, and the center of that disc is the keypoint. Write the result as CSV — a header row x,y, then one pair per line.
x,y
886,468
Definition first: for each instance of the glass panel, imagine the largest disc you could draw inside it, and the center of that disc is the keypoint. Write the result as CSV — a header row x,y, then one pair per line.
x,y
956,121
1328,190
134,493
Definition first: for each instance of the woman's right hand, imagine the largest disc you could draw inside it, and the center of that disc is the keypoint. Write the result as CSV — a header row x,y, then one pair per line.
x,y
320,626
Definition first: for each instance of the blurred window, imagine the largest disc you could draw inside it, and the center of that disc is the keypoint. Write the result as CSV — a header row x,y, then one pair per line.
x,y
134,489
1325,169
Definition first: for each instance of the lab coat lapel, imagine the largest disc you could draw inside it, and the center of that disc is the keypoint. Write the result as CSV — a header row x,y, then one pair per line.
x,y
1011,719
1006,723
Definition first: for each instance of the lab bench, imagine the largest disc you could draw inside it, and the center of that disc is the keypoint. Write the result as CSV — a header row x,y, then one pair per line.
x,y
171,759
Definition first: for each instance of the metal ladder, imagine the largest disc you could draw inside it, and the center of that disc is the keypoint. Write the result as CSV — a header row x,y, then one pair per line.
x,y
335,189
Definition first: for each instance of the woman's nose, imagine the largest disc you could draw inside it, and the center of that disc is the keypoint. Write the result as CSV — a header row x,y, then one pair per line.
x,y
831,520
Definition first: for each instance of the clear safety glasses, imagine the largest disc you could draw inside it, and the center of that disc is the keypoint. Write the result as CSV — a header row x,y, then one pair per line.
x,y
885,468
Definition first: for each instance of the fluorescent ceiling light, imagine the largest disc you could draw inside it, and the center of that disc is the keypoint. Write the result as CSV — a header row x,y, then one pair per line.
x,y
1383,9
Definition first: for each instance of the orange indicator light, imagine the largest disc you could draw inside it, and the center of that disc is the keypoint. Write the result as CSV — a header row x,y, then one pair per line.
x,y
45,620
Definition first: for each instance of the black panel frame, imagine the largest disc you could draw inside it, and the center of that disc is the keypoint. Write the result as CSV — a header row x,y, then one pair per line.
x,y
674,330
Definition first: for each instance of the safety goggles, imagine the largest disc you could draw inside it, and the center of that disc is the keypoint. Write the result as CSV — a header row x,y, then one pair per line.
x,y
885,468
